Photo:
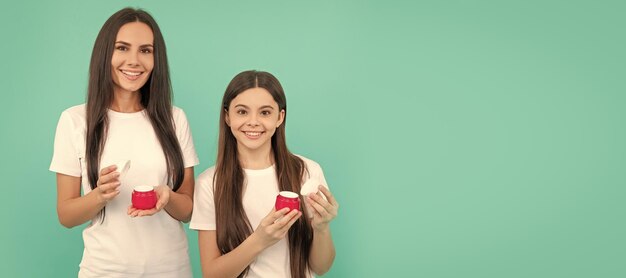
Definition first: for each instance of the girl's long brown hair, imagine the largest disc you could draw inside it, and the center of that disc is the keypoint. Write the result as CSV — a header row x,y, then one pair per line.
x,y
232,222
156,97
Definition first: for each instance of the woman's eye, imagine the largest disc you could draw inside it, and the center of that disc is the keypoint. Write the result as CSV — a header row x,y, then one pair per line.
x,y
241,112
266,113
121,48
146,51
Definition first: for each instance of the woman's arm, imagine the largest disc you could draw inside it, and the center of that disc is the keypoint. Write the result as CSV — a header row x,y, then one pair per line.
x,y
322,252
272,228
73,209
180,203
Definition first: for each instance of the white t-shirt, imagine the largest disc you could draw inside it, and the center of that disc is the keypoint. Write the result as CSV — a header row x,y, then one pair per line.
x,y
122,246
258,200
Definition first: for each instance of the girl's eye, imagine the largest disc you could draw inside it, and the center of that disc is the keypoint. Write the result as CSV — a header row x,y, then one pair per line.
x,y
266,113
121,48
146,50
241,112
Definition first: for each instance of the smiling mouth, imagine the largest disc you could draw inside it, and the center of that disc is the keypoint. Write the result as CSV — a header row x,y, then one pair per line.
x,y
131,75
253,134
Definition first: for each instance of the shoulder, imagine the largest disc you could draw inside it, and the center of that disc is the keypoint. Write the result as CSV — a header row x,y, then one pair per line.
x,y
178,115
75,116
78,111
206,177
177,112
310,164
204,183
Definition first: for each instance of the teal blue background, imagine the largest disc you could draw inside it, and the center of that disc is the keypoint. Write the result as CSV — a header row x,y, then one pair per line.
x,y
461,138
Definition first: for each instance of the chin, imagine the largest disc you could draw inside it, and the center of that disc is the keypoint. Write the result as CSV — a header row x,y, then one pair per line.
x,y
131,89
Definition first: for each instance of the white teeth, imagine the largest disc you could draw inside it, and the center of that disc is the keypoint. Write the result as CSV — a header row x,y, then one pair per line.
x,y
253,133
131,73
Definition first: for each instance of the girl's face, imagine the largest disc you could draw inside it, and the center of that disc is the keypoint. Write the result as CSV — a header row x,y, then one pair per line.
x,y
253,117
133,58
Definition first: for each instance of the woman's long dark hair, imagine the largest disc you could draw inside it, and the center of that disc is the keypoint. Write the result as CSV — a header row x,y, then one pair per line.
x,y
156,97
232,222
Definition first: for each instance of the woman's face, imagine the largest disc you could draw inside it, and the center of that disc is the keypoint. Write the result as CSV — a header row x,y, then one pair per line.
x,y
133,58
253,117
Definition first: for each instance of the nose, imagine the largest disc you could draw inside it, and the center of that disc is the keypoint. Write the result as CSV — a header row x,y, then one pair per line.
x,y
132,59
253,120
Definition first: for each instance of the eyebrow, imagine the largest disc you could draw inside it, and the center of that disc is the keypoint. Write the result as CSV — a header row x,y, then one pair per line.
x,y
262,107
128,44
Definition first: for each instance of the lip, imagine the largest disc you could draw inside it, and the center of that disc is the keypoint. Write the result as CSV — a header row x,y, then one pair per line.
x,y
131,74
253,134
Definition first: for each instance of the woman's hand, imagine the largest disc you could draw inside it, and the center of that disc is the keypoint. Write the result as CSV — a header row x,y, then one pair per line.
x,y
275,226
323,210
107,184
163,197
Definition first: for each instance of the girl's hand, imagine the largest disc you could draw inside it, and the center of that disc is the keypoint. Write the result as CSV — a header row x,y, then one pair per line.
x,y
107,184
323,211
275,226
163,197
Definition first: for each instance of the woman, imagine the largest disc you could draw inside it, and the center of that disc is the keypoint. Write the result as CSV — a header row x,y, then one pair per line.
x,y
128,116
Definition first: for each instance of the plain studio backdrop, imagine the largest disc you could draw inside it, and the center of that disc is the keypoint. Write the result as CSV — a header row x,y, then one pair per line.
x,y
461,138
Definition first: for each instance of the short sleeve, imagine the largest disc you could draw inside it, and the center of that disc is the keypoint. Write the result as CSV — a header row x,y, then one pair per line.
x,y
320,176
66,158
203,216
183,132
315,170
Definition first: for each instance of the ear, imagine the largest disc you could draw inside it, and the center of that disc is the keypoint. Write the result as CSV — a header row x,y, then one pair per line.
x,y
226,118
281,118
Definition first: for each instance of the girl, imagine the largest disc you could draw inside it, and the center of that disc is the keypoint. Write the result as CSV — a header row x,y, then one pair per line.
x,y
128,116
237,236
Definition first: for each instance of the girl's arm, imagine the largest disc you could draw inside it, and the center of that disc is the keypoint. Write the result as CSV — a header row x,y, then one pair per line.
x,y
322,249
272,228
73,209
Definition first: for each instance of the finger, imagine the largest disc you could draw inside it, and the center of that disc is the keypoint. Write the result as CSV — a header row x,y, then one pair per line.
x,y
109,187
108,169
329,207
147,212
162,202
286,218
274,215
329,196
292,220
317,198
111,195
130,210
317,207
134,212
160,205
108,178
138,212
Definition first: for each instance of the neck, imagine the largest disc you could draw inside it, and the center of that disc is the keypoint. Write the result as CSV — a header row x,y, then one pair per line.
x,y
256,159
126,102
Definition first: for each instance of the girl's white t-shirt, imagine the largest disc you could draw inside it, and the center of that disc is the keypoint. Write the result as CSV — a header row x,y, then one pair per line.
x,y
122,246
261,189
